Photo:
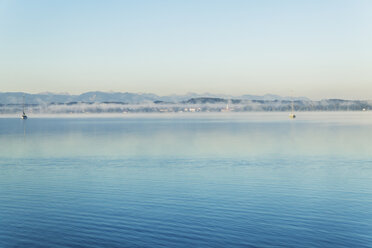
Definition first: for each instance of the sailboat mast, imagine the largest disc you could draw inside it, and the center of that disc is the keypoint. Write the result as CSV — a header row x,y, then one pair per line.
x,y
292,115
24,116
23,104
292,106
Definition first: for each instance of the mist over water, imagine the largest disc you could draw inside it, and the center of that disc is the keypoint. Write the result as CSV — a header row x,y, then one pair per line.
x,y
190,135
186,180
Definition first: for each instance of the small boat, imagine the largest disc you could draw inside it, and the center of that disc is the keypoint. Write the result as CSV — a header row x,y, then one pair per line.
x,y
292,115
24,116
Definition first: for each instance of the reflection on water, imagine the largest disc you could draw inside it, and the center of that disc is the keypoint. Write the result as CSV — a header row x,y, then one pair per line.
x,y
222,136
233,180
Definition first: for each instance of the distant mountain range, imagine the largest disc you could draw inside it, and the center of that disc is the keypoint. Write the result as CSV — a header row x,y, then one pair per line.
x,y
126,97
116,102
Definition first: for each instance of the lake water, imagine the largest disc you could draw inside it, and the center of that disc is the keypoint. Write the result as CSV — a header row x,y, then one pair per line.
x,y
187,180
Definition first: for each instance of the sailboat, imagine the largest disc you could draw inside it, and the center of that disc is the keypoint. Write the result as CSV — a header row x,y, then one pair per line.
x,y
292,115
24,116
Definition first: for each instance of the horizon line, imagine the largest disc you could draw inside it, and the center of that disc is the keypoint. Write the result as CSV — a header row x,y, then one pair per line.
x,y
183,94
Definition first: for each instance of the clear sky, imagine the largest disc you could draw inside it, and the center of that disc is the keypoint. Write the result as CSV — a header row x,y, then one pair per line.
x,y
318,49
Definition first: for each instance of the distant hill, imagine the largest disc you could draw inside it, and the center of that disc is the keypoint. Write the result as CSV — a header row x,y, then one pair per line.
x,y
126,97
117,102
204,100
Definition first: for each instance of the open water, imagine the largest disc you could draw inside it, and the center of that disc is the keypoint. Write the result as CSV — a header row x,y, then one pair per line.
x,y
187,180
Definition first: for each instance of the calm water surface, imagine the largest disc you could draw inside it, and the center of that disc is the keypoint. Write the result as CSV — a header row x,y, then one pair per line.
x,y
212,180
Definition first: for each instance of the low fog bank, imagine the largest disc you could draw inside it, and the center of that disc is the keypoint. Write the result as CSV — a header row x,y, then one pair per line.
x,y
191,105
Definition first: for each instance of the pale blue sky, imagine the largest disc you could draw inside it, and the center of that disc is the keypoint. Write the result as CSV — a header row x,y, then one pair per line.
x,y
318,49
